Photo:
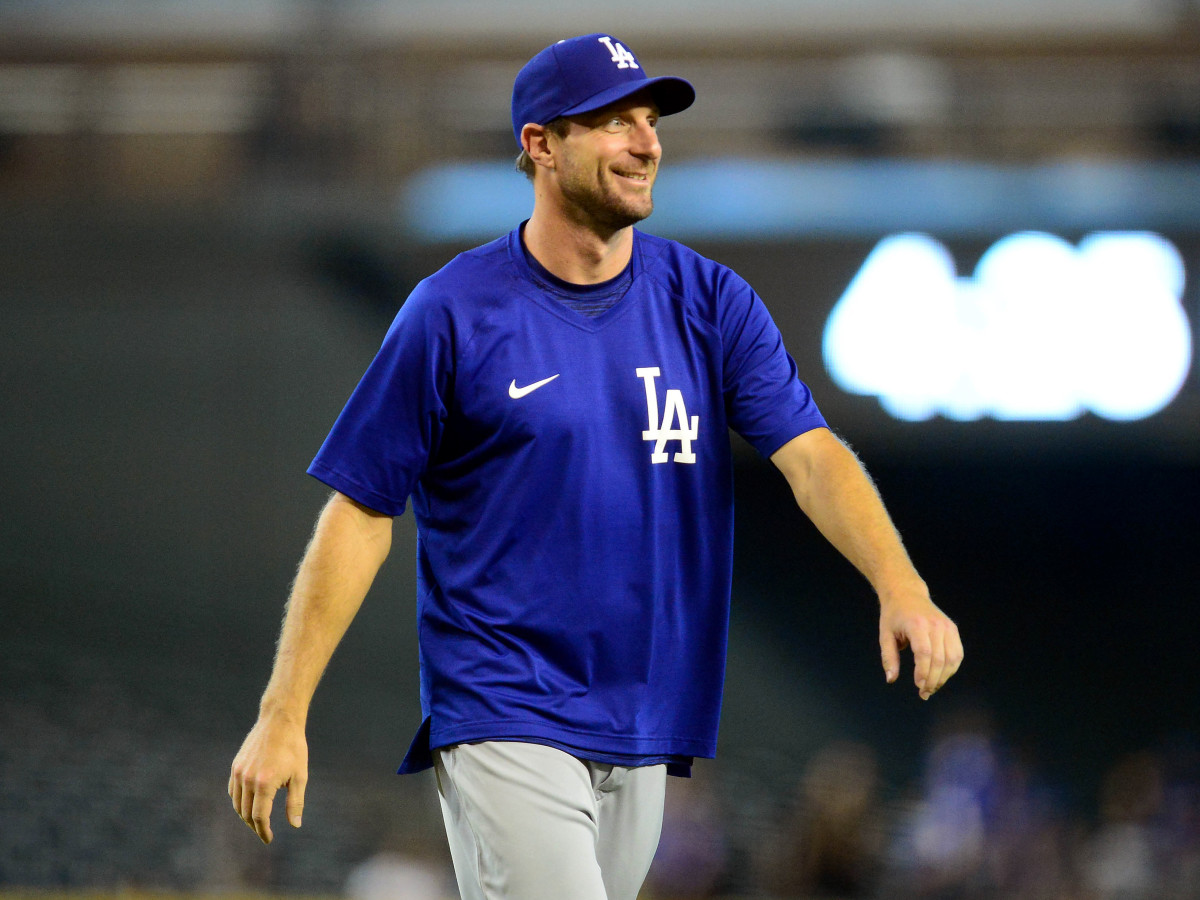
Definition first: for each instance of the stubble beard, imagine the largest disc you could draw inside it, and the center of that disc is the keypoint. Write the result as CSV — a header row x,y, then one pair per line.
x,y
598,205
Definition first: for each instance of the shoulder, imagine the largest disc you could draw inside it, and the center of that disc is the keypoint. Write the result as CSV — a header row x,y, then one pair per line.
x,y
703,284
447,307
466,285
468,273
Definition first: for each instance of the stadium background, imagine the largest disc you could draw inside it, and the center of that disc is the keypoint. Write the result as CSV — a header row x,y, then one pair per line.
x,y
204,234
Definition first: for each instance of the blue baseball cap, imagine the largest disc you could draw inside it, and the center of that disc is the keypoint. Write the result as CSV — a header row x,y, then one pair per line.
x,y
586,73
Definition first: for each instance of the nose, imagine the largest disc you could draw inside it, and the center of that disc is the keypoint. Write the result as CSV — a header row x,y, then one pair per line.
x,y
644,141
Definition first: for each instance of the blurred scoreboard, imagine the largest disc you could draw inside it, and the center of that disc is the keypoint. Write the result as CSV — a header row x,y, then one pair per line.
x,y
1027,345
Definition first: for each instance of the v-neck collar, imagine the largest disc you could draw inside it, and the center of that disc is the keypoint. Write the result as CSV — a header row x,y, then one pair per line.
x,y
534,291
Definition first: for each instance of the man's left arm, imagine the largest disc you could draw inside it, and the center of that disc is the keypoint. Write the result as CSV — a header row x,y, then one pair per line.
x,y
834,491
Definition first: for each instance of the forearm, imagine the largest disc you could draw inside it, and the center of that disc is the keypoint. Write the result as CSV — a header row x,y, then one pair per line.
x,y
835,492
348,546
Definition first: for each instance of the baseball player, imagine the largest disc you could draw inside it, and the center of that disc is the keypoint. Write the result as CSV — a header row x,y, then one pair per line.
x,y
556,404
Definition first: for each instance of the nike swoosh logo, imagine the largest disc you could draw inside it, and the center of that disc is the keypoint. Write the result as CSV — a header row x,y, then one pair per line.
x,y
518,392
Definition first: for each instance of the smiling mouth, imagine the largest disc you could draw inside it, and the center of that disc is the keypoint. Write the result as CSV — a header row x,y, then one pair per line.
x,y
636,177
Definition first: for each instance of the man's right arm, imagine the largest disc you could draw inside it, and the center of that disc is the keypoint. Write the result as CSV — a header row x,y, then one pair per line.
x,y
348,546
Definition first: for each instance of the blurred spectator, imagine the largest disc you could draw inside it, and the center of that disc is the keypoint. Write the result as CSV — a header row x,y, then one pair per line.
x,y
693,852
403,855
942,844
1122,858
1181,819
399,870
1030,839
831,843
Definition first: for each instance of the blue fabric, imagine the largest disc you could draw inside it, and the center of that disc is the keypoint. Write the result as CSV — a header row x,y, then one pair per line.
x,y
587,299
571,589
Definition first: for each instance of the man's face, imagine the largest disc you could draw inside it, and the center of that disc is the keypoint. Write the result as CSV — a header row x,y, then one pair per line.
x,y
607,161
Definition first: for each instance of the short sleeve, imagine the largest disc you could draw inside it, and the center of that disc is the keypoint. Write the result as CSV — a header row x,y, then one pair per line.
x,y
766,401
381,443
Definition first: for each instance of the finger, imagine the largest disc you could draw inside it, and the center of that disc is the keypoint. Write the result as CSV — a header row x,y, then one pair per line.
x,y
934,677
235,792
246,804
953,654
243,795
922,654
890,654
295,801
260,812
956,652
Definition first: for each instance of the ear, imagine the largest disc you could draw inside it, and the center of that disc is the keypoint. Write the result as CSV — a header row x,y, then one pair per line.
x,y
535,139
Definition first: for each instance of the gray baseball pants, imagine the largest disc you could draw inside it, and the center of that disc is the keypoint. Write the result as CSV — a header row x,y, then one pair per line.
x,y
530,822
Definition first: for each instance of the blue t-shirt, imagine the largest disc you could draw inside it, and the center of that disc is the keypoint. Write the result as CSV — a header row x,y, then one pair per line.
x,y
571,479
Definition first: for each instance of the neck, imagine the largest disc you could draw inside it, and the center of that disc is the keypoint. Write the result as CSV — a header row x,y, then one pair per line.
x,y
575,252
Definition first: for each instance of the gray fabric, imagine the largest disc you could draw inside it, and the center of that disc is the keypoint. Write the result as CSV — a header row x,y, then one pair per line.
x,y
531,822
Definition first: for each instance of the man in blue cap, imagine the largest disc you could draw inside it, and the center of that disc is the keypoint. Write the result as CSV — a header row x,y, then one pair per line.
x,y
556,403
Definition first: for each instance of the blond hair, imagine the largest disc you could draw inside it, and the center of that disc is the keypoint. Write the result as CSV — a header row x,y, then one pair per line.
x,y
525,164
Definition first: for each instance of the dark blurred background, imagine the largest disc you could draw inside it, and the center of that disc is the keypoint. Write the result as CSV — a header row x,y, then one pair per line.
x,y
210,213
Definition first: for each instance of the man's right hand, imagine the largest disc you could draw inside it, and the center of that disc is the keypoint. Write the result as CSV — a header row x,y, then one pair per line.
x,y
347,548
274,755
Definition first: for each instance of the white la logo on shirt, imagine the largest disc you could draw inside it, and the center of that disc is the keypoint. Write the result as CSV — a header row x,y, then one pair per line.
x,y
622,57
675,412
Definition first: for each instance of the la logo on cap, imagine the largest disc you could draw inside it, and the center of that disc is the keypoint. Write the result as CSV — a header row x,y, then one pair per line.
x,y
622,57
574,76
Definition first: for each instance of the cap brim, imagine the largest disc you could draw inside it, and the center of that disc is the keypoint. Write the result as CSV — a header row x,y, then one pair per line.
x,y
670,95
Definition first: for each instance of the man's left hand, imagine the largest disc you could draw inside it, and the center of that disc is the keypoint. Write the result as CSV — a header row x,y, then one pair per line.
x,y
936,646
